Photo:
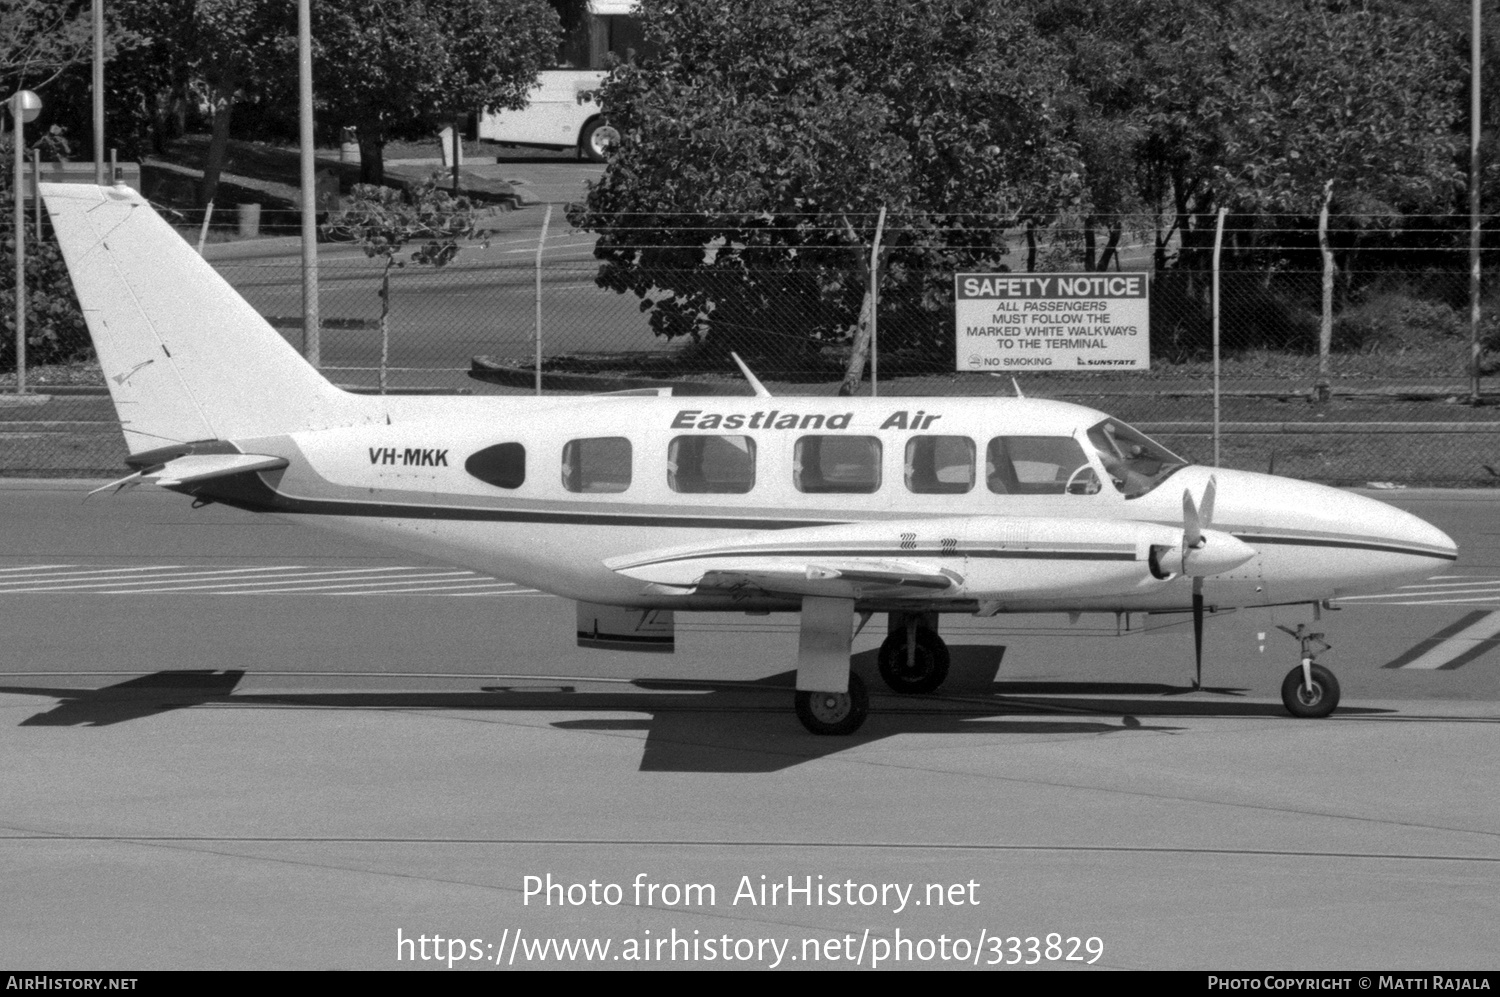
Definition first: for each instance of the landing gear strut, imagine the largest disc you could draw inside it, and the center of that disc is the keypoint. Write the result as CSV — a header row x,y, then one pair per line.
x,y
1309,690
913,658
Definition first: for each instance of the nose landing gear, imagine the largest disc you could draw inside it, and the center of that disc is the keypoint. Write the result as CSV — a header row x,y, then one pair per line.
x,y
1309,690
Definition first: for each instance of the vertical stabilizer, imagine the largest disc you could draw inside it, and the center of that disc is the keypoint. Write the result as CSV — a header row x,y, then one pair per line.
x,y
185,357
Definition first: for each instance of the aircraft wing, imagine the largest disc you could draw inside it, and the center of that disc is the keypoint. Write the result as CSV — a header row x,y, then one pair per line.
x,y
820,561
801,577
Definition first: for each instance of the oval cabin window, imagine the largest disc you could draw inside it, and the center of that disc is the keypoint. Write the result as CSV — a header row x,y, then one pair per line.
x,y
502,465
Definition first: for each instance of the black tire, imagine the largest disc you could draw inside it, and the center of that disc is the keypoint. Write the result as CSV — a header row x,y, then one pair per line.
x,y
598,138
1317,702
929,667
834,713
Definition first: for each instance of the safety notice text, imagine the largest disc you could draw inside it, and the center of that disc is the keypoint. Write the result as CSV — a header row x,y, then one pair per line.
x,y
1008,322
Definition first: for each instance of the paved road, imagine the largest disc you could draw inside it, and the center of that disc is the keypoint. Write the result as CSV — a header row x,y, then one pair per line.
x,y
235,742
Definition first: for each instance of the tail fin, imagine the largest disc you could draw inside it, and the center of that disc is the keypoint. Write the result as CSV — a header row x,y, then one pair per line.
x,y
185,357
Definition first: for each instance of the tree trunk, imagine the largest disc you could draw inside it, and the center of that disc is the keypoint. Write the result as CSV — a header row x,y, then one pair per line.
x,y
218,147
1112,247
371,157
855,371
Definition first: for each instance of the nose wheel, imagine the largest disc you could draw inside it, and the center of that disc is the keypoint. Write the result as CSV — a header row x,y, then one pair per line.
x,y
1309,690
834,713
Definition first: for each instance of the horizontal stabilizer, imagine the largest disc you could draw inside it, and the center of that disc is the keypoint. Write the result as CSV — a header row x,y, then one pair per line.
x,y
195,468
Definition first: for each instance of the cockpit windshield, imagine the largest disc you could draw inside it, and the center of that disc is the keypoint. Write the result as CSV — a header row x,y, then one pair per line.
x,y
1135,462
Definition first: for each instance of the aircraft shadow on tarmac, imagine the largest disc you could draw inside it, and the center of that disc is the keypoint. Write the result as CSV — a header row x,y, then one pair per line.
x,y
715,726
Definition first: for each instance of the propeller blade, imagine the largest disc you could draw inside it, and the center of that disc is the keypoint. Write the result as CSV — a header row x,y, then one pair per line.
x,y
1206,507
1192,529
1198,633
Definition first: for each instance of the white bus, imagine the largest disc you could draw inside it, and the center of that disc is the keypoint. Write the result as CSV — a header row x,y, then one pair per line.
x,y
596,34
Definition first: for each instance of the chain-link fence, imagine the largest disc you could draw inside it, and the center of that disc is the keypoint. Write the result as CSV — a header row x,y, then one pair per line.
x,y
1389,403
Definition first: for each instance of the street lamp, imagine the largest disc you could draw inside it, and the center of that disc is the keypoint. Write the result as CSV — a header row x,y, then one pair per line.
x,y
24,107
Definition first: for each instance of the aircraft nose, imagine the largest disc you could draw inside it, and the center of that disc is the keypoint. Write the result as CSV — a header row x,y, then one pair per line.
x,y
1384,541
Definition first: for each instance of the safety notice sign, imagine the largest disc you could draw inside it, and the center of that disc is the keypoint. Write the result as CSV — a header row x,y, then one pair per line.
x,y
1052,321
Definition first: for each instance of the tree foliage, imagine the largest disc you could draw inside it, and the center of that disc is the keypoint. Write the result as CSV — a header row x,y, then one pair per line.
x,y
759,145
55,330
384,221
968,119
394,69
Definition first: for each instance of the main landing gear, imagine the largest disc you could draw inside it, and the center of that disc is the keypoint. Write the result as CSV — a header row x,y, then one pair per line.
x,y
835,713
1309,690
913,658
830,699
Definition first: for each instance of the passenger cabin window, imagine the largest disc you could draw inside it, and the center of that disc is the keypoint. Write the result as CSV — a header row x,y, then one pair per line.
x,y
1039,465
502,465
597,465
839,464
939,465
722,465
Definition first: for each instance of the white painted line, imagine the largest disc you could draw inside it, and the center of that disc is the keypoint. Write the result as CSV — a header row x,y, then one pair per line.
x,y
1456,644
110,576
302,583
1430,601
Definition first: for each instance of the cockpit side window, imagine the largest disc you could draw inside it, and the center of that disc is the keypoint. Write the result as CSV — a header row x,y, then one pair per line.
x,y
1135,462
1039,465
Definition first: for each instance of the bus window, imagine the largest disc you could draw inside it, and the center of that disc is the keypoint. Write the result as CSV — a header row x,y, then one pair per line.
x,y
597,465
939,465
723,465
1039,465
844,464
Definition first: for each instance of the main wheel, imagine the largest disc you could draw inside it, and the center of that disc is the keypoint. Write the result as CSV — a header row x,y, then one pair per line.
x,y
925,671
598,139
1319,701
835,713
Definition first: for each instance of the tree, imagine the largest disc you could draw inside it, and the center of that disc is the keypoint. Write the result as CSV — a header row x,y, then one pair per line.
x,y
39,41
55,329
393,69
211,54
383,220
759,145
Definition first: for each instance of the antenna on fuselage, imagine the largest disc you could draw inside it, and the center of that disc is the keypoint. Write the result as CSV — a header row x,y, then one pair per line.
x,y
760,389
1017,385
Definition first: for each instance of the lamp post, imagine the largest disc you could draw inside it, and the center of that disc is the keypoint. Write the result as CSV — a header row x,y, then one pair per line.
x,y
24,107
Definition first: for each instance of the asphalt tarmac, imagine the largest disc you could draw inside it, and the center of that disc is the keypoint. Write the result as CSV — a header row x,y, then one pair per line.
x,y
233,742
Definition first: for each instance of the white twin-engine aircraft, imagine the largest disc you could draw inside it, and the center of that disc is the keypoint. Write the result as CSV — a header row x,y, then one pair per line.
x,y
639,507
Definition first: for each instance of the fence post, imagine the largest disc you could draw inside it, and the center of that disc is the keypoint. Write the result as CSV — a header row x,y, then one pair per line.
x,y
541,242
208,212
1325,327
1218,242
875,305
18,135
1476,347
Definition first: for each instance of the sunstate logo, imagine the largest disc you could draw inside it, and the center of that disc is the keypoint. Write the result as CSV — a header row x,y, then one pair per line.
x,y
409,457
